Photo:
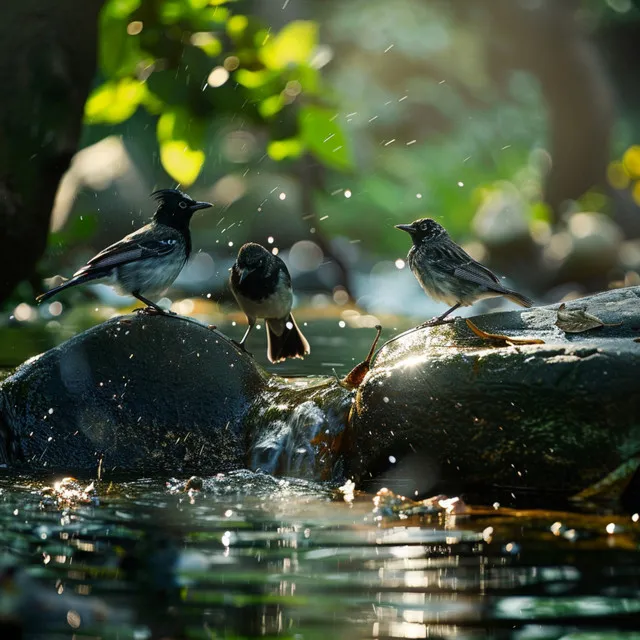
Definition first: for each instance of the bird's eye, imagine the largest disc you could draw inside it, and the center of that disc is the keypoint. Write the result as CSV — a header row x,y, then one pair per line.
x,y
424,226
182,204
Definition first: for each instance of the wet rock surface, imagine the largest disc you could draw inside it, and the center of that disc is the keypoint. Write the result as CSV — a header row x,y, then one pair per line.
x,y
137,393
557,415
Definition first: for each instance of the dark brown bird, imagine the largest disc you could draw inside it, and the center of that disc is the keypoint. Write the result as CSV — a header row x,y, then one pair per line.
x,y
447,273
261,284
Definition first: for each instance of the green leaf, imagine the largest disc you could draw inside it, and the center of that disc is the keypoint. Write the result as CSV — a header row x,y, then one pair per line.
x,y
181,138
294,45
152,103
216,14
282,149
114,102
181,162
540,211
118,52
179,124
322,135
236,25
171,11
309,78
271,105
252,79
120,8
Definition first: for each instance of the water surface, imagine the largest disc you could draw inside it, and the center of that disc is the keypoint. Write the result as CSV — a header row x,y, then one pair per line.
x,y
253,556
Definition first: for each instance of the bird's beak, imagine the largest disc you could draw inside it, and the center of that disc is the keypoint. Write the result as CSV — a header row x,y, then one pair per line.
x,y
405,227
200,205
244,273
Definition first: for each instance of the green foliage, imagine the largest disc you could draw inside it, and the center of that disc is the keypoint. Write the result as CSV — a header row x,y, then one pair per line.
x,y
321,131
189,62
294,45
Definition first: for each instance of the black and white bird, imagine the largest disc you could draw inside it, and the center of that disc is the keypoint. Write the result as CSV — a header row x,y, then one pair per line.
x,y
147,261
447,273
261,284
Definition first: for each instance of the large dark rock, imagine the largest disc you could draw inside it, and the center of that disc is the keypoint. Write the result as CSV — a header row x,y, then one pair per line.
x,y
558,415
147,393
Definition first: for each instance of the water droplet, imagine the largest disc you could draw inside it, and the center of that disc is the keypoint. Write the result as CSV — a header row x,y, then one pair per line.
x,y
218,77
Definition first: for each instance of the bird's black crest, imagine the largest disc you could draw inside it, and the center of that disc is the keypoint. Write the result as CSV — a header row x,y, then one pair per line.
x,y
164,194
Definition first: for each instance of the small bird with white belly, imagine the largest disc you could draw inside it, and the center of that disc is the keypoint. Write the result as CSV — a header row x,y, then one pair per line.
x,y
261,284
447,273
147,261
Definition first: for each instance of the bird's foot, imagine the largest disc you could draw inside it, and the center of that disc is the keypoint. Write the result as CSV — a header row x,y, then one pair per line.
x,y
154,311
429,323
241,346
436,322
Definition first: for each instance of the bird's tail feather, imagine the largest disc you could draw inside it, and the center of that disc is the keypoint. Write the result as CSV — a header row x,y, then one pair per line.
x,y
518,298
291,344
65,285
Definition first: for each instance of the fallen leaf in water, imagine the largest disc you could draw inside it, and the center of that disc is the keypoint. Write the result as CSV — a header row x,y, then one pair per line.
x,y
578,320
510,340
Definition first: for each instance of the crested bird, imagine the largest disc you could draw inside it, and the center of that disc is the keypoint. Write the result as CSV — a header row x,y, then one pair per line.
x,y
147,261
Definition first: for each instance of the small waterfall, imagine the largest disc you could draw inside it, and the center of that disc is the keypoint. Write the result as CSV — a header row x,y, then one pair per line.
x,y
301,436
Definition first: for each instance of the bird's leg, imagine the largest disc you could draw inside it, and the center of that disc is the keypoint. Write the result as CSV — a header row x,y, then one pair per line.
x,y
434,322
151,308
244,338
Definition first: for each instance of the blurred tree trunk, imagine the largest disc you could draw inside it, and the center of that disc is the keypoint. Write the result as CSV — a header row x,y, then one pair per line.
x,y
47,64
547,39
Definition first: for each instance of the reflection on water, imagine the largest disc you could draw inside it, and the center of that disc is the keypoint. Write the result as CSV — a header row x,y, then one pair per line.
x,y
254,556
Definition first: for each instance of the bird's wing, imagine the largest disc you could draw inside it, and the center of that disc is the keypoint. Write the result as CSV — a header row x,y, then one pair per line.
x,y
129,249
456,261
